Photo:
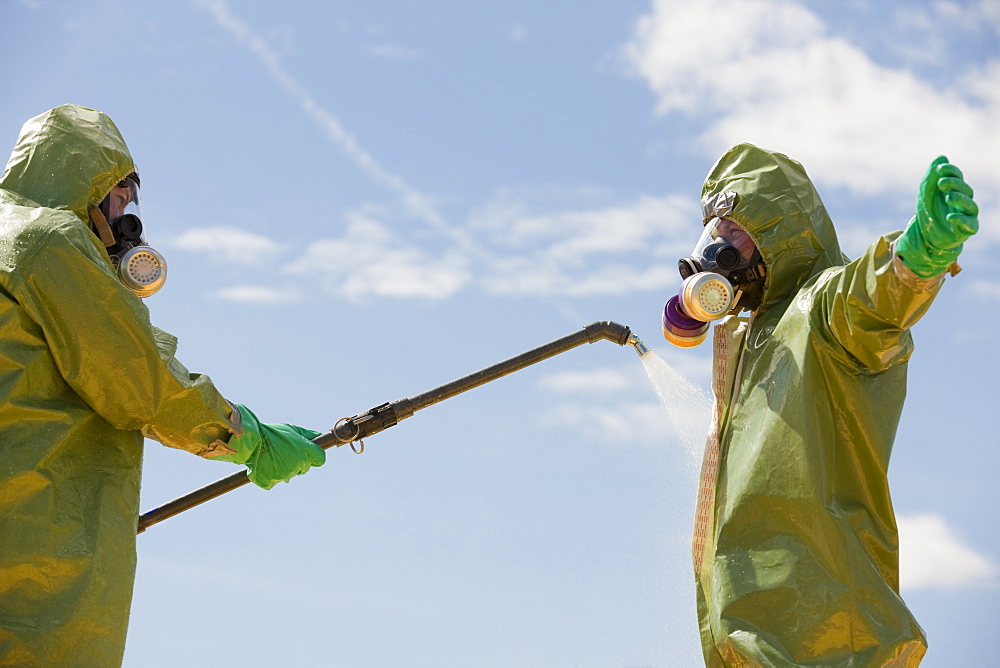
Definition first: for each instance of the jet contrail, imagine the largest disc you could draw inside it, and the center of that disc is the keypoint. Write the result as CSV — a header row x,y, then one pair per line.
x,y
415,201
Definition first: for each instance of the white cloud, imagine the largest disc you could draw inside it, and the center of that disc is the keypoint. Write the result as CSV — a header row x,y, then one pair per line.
x,y
392,51
599,381
949,19
370,260
931,556
615,424
259,294
609,250
985,290
540,276
689,52
988,13
769,72
229,243
920,33
613,229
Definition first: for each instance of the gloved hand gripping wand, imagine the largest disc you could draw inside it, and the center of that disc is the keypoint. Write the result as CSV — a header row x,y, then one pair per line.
x,y
355,429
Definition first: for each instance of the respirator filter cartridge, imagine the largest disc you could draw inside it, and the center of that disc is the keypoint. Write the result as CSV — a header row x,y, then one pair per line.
x,y
680,329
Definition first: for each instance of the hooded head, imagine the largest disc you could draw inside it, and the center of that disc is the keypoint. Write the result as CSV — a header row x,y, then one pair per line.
x,y
67,158
70,158
777,205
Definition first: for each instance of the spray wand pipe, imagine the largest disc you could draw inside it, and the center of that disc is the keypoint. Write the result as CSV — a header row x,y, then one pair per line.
x,y
355,429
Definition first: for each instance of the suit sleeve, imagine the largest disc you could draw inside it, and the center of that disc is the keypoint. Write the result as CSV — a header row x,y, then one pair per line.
x,y
869,306
105,348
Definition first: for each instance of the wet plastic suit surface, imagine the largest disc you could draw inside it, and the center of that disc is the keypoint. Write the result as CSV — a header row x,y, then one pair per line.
x,y
796,550
83,375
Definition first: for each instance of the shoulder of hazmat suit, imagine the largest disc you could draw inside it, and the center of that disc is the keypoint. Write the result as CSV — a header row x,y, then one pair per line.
x,y
83,376
795,547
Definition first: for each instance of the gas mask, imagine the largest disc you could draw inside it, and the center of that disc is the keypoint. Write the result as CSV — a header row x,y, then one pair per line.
x,y
118,223
724,274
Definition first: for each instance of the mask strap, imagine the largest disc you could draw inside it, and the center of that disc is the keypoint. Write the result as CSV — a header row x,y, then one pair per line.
x,y
736,302
103,229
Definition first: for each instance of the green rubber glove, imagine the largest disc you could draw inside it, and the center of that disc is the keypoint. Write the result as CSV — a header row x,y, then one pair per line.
x,y
946,217
273,452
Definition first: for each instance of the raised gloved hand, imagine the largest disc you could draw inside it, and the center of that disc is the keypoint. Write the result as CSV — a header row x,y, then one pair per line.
x,y
946,217
273,452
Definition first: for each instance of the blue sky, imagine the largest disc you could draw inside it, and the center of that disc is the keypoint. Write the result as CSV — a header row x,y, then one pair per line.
x,y
360,201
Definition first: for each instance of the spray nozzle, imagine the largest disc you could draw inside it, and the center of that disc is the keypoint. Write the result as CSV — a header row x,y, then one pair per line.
x,y
637,343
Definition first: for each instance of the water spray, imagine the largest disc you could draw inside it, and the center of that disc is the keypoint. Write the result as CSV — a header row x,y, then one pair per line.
x,y
353,430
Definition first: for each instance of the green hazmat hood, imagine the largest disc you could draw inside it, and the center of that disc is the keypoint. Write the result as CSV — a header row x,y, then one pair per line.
x,y
778,206
67,158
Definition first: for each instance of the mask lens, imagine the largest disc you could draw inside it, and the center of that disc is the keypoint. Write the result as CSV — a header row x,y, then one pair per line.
x,y
129,189
708,235
722,232
737,238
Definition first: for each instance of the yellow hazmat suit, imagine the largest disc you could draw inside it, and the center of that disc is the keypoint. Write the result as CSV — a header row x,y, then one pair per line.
x,y
83,376
795,545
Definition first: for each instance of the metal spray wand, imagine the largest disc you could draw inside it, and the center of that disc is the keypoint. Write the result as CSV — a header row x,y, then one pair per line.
x,y
355,429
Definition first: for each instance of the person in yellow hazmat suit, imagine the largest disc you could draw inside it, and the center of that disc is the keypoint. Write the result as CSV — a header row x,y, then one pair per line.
x,y
795,543
84,377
